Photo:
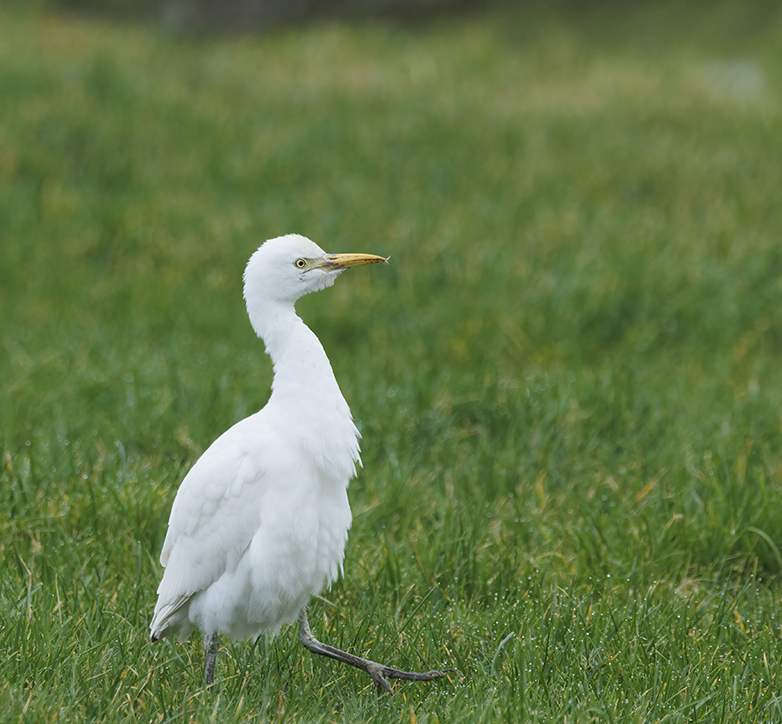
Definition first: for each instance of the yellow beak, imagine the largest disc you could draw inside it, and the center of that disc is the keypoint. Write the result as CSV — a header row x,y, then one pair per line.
x,y
333,262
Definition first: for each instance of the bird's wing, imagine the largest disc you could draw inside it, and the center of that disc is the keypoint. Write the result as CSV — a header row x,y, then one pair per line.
x,y
213,519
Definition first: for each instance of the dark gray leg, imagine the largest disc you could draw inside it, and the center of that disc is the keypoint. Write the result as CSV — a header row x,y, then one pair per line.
x,y
211,645
379,673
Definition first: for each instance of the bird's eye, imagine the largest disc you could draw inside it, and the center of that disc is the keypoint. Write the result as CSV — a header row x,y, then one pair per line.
x,y
301,263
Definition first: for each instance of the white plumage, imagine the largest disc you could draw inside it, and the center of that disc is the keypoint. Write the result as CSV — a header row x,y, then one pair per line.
x,y
260,522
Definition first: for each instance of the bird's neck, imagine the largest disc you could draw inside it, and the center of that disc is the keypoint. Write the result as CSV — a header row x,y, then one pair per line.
x,y
305,390
277,326
301,367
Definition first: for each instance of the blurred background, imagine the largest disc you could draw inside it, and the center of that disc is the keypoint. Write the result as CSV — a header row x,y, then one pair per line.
x,y
259,15
568,378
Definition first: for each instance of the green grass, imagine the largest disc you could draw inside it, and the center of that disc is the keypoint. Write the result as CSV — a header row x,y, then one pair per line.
x,y
569,380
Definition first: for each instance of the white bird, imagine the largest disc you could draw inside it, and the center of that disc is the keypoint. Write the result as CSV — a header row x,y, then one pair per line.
x,y
260,522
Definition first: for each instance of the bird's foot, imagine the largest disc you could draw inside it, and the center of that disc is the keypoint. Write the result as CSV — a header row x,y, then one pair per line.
x,y
380,674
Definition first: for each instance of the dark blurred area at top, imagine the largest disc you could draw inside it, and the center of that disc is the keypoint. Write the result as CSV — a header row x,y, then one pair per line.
x,y
254,15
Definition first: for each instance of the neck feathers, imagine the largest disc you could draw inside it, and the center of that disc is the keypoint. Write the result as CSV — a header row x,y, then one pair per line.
x,y
305,391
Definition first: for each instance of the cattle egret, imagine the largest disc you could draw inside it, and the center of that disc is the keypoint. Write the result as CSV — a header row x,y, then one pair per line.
x,y
260,522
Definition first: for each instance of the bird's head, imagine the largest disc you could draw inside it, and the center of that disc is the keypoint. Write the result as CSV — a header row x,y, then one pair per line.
x,y
288,267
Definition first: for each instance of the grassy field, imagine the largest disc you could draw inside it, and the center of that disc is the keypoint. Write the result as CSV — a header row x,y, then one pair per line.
x,y
569,379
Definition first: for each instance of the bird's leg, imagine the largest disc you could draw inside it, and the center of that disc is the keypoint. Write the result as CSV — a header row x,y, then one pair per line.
x,y
379,673
211,646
